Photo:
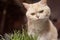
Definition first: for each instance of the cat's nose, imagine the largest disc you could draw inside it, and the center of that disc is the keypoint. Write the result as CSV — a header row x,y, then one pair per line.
x,y
37,16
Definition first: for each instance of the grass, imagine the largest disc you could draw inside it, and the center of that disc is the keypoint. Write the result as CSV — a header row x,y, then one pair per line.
x,y
17,35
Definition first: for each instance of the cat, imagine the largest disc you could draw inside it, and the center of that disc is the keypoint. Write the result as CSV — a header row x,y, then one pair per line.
x,y
38,21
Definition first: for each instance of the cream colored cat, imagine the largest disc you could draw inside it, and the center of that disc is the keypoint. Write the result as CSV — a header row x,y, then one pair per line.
x,y
38,21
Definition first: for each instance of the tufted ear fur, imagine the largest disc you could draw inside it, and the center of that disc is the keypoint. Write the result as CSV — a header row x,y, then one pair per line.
x,y
26,5
43,1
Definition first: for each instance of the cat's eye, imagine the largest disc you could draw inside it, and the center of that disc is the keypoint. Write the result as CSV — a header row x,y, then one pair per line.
x,y
41,11
32,13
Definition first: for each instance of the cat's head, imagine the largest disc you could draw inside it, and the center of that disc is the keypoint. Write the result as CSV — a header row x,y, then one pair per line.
x,y
37,11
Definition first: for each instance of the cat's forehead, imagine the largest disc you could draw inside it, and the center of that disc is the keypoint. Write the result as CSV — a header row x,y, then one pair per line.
x,y
36,7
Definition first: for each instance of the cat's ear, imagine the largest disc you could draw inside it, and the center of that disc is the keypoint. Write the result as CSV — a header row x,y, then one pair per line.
x,y
26,5
43,1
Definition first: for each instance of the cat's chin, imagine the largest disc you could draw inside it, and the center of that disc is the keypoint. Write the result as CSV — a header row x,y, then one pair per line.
x,y
42,19
39,19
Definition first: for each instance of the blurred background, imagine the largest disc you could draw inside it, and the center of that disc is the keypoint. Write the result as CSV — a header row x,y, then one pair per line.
x,y
12,14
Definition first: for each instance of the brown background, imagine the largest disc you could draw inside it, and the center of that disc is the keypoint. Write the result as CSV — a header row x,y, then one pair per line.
x,y
55,7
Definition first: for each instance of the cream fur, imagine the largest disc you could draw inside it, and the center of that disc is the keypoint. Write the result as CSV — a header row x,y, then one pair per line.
x,y
40,25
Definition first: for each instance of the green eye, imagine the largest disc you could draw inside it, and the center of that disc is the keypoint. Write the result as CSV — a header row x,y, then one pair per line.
x,y
32,13
41,11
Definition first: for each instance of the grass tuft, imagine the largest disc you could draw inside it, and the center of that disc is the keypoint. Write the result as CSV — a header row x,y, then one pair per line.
x,y
17,35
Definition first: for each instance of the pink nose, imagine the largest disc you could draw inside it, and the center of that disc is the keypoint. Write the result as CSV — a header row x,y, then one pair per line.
x,y
37,16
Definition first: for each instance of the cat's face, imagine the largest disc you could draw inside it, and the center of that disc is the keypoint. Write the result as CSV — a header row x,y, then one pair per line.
x,y
37,11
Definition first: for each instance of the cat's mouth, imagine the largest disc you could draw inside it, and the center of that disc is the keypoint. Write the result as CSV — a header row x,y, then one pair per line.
x,y
38,19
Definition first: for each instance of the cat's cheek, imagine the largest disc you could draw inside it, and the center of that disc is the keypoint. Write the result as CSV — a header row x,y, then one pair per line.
x,y
42,18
